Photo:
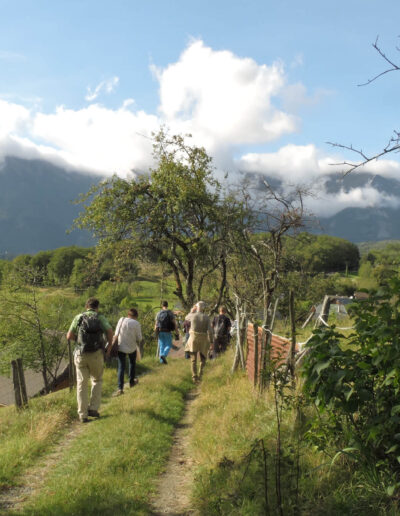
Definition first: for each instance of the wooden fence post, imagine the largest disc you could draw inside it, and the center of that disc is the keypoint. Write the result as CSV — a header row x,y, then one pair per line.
x,y
22,384
70,367
17,391
255,330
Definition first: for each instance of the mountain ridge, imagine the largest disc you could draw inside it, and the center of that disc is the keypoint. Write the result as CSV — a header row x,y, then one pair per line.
x,y
36,207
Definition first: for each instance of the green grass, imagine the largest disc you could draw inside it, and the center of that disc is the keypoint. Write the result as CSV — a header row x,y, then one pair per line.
x,y
112,467
230,420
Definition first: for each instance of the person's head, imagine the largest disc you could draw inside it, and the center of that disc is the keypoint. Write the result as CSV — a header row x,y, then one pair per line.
x,y
164,304
133,313
92,303
222,310
193,309
200,306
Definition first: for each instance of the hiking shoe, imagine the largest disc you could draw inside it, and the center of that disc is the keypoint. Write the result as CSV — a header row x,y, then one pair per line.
x,y
135,382
163,360
118,393
83,420
93,413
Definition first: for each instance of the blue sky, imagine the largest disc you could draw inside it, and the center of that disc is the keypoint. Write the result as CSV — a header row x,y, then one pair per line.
x,y
263,85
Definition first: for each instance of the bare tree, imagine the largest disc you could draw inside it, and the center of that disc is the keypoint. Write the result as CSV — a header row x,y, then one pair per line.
x,y
257,254
393,144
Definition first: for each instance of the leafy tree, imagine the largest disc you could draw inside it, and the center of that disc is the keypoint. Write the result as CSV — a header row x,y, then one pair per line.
x,y
321,253
61,264
177,215
33,324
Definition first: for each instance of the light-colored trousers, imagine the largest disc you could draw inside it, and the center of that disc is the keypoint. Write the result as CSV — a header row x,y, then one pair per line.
x,y
193,357
88,365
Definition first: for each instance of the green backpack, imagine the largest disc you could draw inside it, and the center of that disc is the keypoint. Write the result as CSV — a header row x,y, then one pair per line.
x,y
90,333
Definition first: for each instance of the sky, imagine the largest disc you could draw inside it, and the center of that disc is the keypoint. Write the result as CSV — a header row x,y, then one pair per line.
x,y
262,85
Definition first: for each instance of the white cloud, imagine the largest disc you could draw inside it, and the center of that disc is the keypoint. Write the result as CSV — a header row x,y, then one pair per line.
x,y
294,163
106,140
327,205
223,99
13,118
107,86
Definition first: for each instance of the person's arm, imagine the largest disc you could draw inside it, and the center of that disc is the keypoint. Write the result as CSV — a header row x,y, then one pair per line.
x,y
71,335
109,335
73,329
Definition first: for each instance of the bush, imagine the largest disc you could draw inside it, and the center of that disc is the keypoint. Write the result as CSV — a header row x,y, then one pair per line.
x,y
355,380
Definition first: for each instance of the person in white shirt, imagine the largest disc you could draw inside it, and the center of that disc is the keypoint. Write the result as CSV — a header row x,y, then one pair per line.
x,y
129,337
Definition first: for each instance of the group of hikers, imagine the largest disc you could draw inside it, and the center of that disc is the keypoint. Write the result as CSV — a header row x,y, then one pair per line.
x,y
204,337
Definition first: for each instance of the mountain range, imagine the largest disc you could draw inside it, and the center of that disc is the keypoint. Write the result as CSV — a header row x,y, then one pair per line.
x,y
37,209
36,206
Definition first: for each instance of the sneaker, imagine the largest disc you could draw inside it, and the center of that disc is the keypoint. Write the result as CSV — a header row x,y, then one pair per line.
x,y
118,393
93,413
163,360
135,382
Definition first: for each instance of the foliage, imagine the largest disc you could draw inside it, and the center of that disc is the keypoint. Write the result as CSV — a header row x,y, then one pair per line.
x,y
355,380
321,253
33,324
176,215
61,263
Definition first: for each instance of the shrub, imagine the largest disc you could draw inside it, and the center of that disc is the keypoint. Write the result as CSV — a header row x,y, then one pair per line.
x,y
355,380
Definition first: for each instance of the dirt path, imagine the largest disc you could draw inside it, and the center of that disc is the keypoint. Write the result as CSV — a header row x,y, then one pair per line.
x,y
31,482
175,484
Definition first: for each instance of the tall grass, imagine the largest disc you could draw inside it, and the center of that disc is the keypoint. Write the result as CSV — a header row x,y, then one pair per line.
x,y
234,447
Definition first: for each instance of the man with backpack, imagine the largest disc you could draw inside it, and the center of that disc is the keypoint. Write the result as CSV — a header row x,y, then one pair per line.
x,y
221,327
164,326
88,330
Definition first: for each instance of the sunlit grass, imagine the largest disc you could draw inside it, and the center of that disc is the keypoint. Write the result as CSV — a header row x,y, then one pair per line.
x,y
113,466
230,420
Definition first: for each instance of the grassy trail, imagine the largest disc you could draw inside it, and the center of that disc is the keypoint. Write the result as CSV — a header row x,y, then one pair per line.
x,y
111,465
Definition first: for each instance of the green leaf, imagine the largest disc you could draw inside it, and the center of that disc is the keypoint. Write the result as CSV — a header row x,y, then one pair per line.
x,y
395,410
321,367
348,394
390,490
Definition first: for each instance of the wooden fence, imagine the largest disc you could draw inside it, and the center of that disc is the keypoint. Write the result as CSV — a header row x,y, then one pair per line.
x,y
256,338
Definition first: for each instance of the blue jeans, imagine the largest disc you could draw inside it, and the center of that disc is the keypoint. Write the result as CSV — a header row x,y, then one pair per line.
x,y
165,342
121,368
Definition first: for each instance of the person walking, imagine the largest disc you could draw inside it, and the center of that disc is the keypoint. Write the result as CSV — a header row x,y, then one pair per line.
x,y
164,326
186,329
88,330
129,334
221,326
200,339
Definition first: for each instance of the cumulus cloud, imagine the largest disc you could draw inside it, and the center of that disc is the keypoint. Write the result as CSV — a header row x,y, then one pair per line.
x,y
107,86
223,99
13,118
293,163
111,141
